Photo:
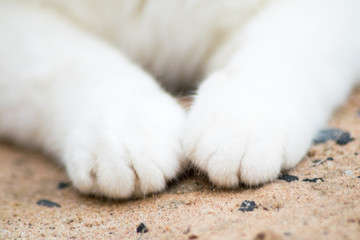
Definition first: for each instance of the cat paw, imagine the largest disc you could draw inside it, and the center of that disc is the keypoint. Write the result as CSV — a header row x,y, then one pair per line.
x,y
238,138
127,158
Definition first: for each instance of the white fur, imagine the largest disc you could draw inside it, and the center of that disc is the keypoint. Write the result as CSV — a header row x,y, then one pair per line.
x,y
274,71
295,63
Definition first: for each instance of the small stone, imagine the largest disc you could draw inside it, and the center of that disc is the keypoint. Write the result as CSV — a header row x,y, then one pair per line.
x,y
142,228
247,206
339,136
288,178
348,172
313,180
47,203
63,185
311,153
344,139
193,237
318,161
268,235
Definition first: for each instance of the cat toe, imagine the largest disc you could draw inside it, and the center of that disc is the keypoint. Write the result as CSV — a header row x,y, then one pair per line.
x,y
121,173
108,164
235,149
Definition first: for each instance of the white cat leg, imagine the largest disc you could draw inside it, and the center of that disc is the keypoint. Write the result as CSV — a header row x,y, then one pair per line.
x,y
292,66
72,95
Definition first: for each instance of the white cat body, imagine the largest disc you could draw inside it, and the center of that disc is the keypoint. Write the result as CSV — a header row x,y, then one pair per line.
x,y
74,83
162,44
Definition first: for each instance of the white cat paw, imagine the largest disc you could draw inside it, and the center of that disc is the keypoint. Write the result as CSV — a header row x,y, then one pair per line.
x,y
121,157
237,137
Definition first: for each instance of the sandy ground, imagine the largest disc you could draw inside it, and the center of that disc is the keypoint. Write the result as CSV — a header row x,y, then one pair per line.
x,y
192,208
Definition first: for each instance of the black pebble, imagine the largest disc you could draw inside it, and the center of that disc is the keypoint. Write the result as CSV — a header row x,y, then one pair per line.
x,y
47,203
317,161
341,137
63,185
288,178
313,180
358,176
344,139
247,206
142,228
